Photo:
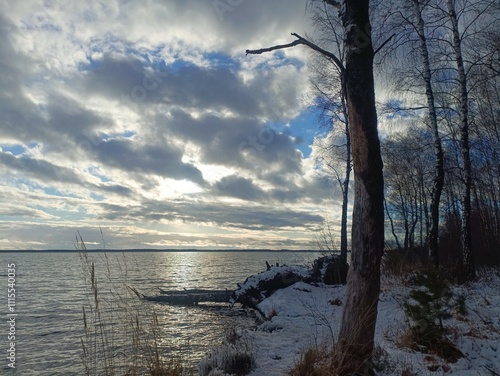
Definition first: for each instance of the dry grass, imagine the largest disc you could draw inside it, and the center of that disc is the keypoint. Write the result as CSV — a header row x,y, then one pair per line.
x,y
334,358
315,361
439,346
272,314
122,335
403,262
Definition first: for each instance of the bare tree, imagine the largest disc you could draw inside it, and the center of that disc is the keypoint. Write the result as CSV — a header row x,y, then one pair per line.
x,y
406,172
328,81
356,336
451,39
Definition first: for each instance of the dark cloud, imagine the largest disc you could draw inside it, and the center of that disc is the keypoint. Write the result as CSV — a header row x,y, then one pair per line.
x,y
52,175
20,119
239,142
256,217
116,77
70,121
162,160
239,187
136,83
40,170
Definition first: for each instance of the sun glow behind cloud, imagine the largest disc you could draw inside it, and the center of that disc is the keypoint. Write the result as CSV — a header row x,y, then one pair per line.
x,y
147,119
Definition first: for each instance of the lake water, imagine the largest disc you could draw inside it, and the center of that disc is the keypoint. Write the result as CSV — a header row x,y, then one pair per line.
x,y
52,288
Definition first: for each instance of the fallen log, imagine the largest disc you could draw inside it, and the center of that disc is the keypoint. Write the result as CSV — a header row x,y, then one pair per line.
x,y
191,291
191,297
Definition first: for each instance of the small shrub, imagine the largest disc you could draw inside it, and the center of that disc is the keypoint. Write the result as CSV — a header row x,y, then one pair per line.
x,y
429,305
426,309
381,361
235,357
460,305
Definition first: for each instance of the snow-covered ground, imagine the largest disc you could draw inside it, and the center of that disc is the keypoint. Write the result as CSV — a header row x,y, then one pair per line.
x,y
302,316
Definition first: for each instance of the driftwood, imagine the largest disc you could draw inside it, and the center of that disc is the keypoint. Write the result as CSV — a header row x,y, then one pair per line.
x,y
191,297
190,291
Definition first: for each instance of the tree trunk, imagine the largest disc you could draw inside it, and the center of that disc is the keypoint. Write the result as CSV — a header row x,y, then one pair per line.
x,y
345,186
467,255
359,317
437,188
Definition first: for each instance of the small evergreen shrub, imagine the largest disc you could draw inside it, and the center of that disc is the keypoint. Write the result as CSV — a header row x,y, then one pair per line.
x,y
426,309
429,305
460,305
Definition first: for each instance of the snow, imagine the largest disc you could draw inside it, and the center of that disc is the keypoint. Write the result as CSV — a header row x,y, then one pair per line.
x,y
302,316
253,281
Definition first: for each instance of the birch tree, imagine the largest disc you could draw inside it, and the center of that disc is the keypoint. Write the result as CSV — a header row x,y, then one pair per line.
x,y
467,254
407,158
413,38
439,163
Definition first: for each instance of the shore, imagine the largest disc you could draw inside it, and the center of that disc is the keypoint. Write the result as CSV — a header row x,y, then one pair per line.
x,y
303,316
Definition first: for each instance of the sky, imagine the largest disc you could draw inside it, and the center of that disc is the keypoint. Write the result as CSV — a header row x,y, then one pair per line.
x,y
145,119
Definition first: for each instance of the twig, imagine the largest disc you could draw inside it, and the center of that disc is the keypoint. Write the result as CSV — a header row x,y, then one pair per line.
x,y
493,372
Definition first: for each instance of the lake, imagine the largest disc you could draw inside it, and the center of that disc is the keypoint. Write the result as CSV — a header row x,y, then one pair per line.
x,y
52,289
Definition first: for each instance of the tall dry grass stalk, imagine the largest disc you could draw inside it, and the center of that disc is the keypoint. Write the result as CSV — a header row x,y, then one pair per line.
x,y
122,334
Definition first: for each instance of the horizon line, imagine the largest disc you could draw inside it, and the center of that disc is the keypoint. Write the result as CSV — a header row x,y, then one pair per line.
x,y
158,250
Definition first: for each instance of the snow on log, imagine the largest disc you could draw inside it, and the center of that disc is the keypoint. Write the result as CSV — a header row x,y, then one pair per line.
x,y
262,285
327,270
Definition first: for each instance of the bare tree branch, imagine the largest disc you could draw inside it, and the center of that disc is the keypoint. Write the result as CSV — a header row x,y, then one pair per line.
x,y
273,48
333,3
383,44
300,40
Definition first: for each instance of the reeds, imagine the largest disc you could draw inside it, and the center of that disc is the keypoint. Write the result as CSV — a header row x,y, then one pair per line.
x,y
121,334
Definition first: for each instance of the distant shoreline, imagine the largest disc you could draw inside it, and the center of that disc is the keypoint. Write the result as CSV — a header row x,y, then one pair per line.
x,y
157,250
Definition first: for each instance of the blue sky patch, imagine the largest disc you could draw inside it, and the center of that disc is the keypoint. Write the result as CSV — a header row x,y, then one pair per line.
x,y
14,149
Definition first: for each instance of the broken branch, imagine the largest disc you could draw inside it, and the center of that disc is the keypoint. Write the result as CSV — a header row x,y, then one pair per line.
x,y
300,40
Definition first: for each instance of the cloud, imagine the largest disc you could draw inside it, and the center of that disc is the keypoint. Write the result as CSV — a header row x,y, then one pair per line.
x,y
239,187
164,160
149,115
38,169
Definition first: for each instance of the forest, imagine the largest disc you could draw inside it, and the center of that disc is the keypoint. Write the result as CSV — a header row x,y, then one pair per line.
x,y
437,66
